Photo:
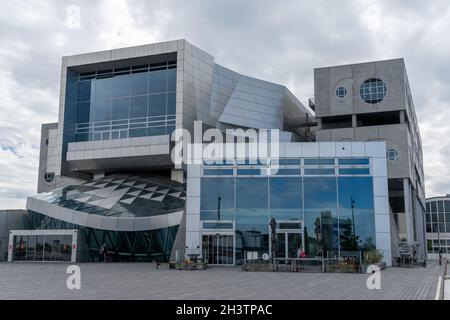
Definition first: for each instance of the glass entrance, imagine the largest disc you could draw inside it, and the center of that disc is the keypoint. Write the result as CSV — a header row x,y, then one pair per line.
x,y
288,244
218,248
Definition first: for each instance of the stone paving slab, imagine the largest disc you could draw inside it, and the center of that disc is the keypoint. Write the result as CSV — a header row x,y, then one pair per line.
x,y
144,281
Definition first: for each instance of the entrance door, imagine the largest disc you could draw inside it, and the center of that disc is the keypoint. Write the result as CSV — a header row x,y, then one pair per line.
x,y
219,248
288,243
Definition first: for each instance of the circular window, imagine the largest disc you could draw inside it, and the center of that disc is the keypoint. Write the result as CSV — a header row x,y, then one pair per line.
x,y
373,90
49,176
341,92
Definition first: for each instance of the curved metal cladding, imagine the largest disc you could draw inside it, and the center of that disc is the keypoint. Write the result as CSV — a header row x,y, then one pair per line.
x,y
136,216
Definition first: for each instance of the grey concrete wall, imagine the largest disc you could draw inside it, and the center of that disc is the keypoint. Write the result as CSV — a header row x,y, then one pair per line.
x,y
327,80
396,136
10,220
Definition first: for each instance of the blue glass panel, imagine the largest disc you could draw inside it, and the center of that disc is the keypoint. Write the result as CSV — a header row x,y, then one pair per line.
x,y
156,131
171,103
217,225
354,171
157,81
319,161
121,85
289,161
358,189
84,90
284,215
83,112
157,104
249,172
218,172
319,192
288,172
319,171
251,193
321,233
171,79
216,214
285,193
104,88
218,163
120,108
357,230
217,193
252,232
353,161
102,110
139,83
133,133
138,107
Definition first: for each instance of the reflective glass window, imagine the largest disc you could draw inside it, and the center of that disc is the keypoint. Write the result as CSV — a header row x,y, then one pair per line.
x,y
102,110
157,81
84,90
319,171
281,215
83,112
251,193
104,88
353,161
121,85
356,192
321,233
357,230
171,79
171,103
319,192
138,107
354,171
446,206
319,161
157,104
218,172
224,214
120,109
139,83
285,193
217,193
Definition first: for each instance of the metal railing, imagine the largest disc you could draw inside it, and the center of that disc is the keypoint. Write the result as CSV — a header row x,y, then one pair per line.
x,y
124,125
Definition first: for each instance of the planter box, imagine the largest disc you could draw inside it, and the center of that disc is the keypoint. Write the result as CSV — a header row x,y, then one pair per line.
x,y
257,267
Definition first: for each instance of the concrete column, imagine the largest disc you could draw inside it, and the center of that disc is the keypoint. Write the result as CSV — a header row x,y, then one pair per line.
x,y
402,116
177,175
319,123
408,210
354,121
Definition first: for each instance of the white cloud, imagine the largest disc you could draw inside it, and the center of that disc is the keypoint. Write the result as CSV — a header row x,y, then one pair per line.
x,y
280,42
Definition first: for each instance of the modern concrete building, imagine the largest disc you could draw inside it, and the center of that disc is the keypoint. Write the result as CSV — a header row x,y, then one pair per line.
x,y
9,220
438,226
373,102
107,171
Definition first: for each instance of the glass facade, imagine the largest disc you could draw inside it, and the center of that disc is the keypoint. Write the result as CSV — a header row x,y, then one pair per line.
x,y
42,248
335,210
152,245
126,102
437,220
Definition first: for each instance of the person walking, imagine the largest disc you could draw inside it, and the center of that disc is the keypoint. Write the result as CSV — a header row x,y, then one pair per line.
x,y
102,251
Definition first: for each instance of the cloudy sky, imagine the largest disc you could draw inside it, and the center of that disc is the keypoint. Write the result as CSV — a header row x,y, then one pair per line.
x,y
280,41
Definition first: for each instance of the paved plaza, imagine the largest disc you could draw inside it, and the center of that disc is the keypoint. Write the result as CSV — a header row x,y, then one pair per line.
x,y
144,281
